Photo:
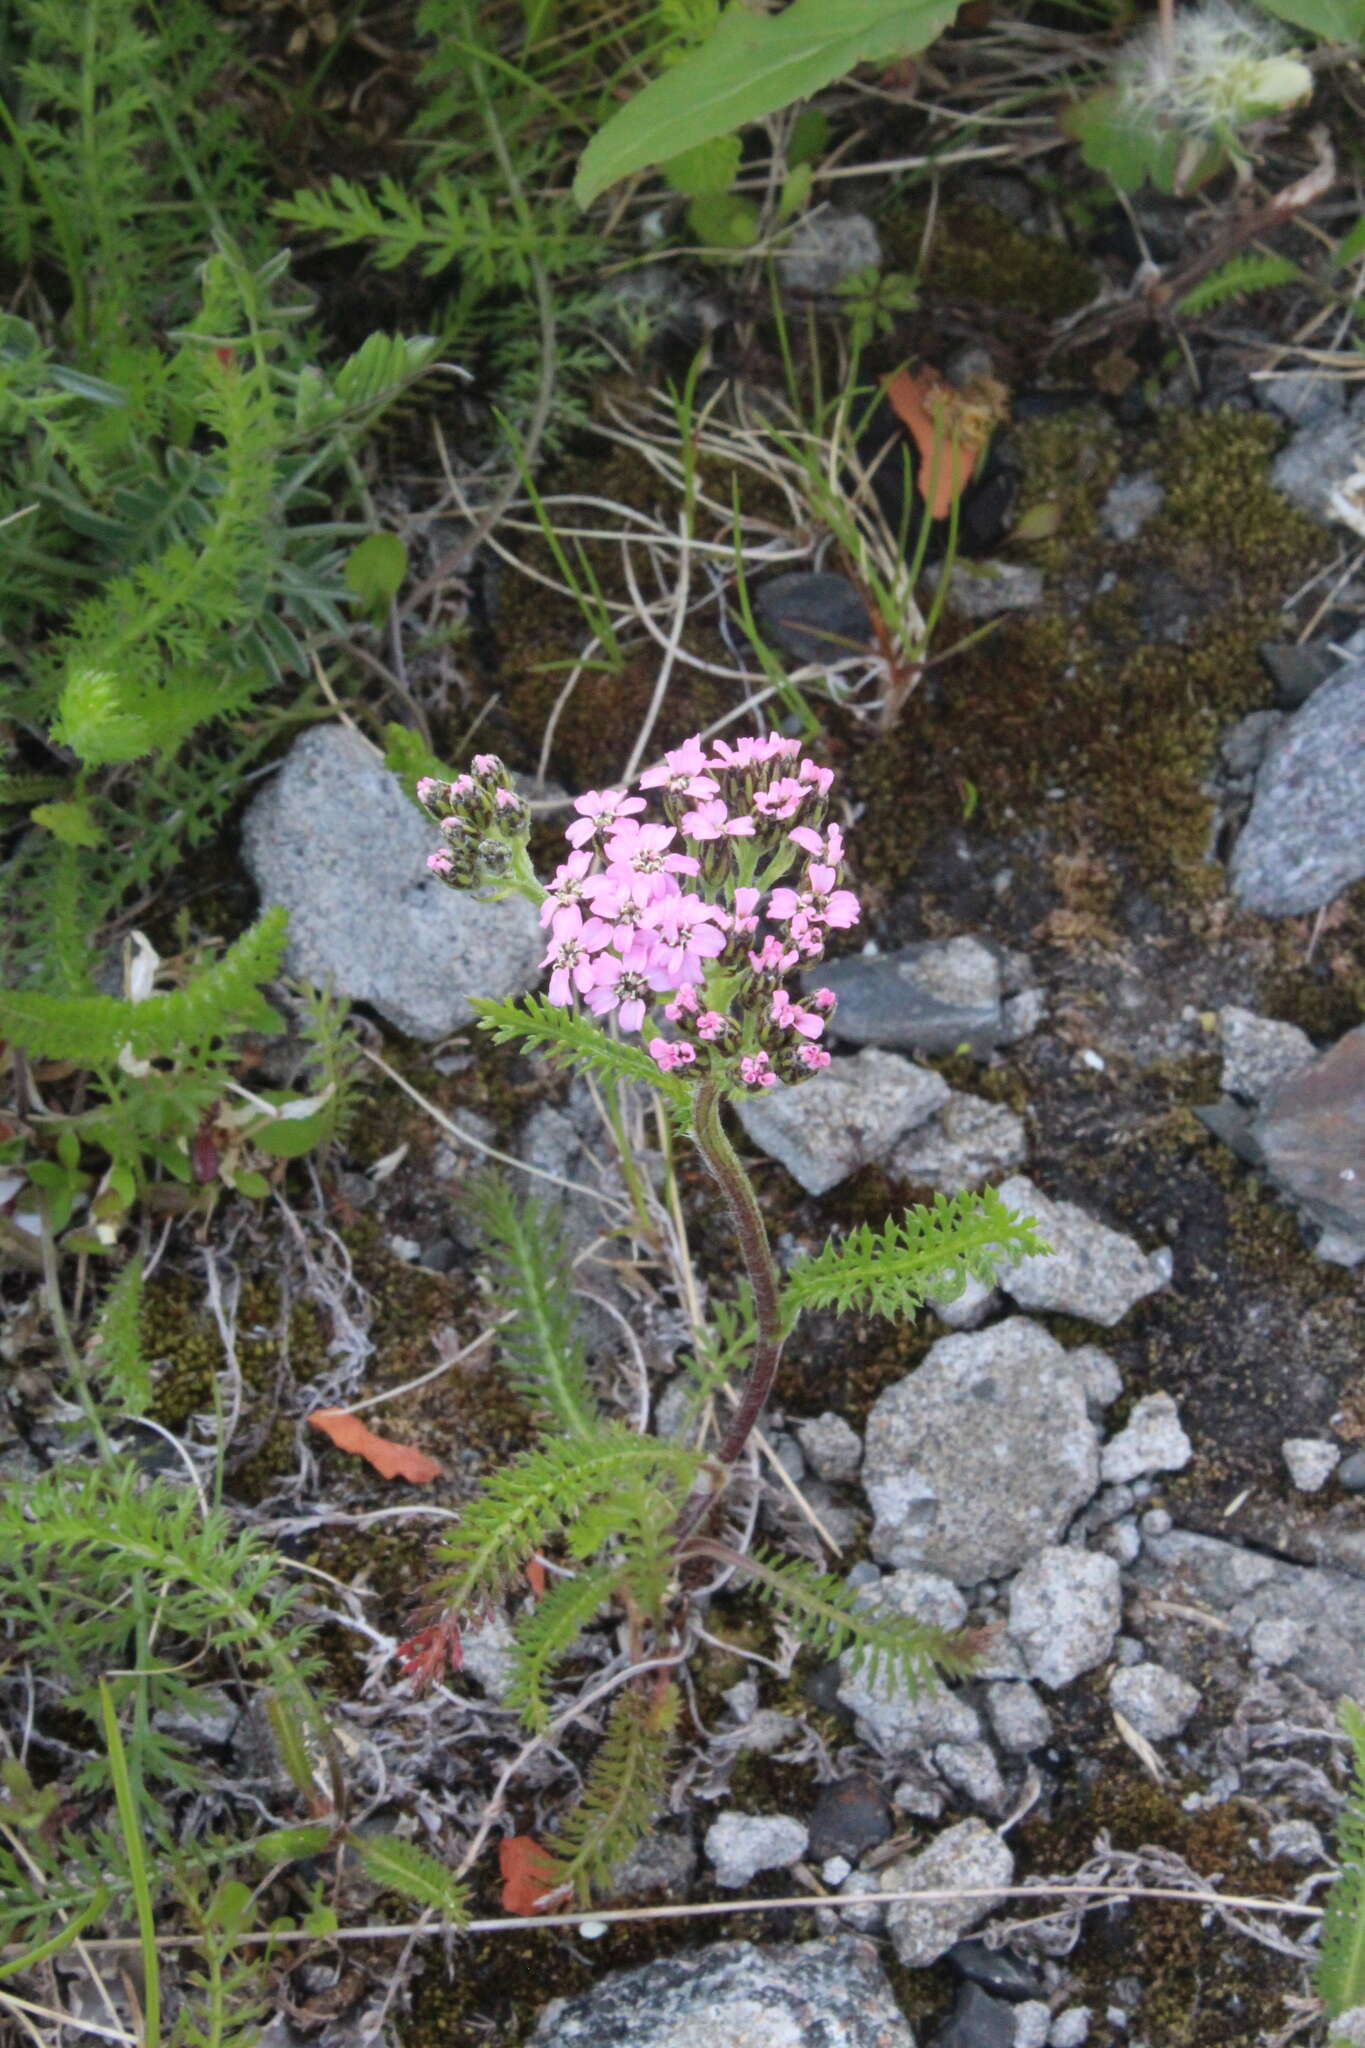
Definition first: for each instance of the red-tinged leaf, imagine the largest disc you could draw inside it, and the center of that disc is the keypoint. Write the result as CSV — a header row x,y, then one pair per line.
x,y
204,1153
390,1460
527,1874
426,1656
535,1577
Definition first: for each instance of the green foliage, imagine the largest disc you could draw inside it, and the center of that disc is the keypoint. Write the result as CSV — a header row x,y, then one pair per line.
x,y
118,1343
1335,21
1341,1964
548,1634
831,1617
577,1042
928,1255
752,64
402,1867
532,1282
1237,279
623,1792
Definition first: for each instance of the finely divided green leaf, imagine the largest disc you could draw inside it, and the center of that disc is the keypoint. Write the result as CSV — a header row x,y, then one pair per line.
x,y
578,1042
927,1255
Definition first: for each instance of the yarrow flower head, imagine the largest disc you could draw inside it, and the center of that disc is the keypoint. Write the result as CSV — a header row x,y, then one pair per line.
x,y
484,823
686,919
1211,70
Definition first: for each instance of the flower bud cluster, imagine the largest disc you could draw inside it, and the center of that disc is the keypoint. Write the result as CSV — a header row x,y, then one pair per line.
x,y
690,917
482,820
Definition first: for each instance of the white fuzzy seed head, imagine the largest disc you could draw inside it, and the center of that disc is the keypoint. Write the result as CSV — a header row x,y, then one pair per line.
x,y
1219,69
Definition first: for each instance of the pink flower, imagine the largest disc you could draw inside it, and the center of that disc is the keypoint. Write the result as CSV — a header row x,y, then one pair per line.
x,y
749,752
639,861
781,799
789,1016
812,1056
685,934
711,1025
440,863
624,987
597,810
823,778
570,954
824,999
486,764
755,1071
683,772
746,906
830,848
572,882
772,957
507,799
429,790
684,1003
666,1056
712,821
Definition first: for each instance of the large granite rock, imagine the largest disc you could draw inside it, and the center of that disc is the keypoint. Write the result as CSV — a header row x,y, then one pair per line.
x,y
848,1115
930,997
1304,841
1065,1610
736,1994
982,1455
334,840
1311,1134
1091,1271
969,1857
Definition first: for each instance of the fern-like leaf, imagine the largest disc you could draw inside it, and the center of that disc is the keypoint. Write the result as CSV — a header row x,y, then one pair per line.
x,y
544,1494
832,1617
94,1030
415,1875
1238,278
561,1614
569,1040
927,1255
624,1790
533,1284
1341,1965
118,1342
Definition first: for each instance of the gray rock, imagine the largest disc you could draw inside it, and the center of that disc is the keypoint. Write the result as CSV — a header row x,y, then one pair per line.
x,y
1317,463
663,1864
844,1117
1304,841
977,2021
987,590
971,1769
1065,1609
1351,1472
1276,1642
490,1655
1297,1841
334,840
1152,1440
850,1816
833,1449
866,1913
1019,1718
1259,1053
997,1970
1129,504
212,1717
1297,671
1310,1461
1022,1014
1157,1702
1311,1134
1032,2021
1100,1376
981,1455
739,1845
968,1309
1242,1588
824,248
1120,1541
966,1142
1071,2029
813,615
1303,397
1091,1271
930,997
969,1856
1348,2030
1244,747
736,1994
891,1717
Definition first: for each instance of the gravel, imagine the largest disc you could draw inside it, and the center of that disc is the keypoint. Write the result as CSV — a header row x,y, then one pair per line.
x,y
930,997
1157,1702
740,1845
981,1455
1304,840
1151,1440
736,1994
832,1449
1091,1271
1310,1461
967,1856
1065,1609
847,1116
1259,1052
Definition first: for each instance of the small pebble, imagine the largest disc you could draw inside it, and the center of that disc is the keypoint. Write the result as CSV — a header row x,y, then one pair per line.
x,y
1031,2023
1070,2029
1311,1461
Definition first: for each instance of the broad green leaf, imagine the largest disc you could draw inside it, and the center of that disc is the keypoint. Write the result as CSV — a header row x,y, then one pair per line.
x,y
795,191
723,221
1351,247
1129,154
810,132
706,170
750,66
1336,21
375,568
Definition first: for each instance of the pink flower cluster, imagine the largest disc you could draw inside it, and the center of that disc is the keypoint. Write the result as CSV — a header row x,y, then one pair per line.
x,y
481,820
644,915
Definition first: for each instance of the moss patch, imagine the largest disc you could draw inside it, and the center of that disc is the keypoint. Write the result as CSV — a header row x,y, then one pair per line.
x,y
978,255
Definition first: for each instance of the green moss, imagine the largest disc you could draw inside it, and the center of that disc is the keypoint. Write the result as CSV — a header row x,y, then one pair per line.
x,y
1068,462
977,254
1223,523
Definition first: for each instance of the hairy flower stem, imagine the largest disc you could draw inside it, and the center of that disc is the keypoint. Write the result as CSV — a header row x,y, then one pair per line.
x,y
751,1234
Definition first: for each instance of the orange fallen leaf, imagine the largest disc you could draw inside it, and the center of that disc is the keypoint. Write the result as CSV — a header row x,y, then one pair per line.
x,y
535,1577
527,1874
390,1460
949,428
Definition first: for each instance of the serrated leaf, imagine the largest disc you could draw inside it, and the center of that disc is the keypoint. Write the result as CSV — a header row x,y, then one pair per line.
x,y
292,1845
751,65
402,1867
375,568
72,823
574,1041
